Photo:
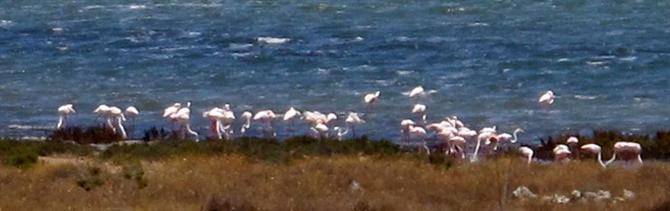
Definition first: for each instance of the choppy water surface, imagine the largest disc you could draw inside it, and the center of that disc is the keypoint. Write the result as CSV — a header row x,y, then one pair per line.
x,y
608,61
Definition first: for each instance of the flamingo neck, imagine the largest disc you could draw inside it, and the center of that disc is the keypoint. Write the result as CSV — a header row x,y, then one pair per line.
x,y
600,159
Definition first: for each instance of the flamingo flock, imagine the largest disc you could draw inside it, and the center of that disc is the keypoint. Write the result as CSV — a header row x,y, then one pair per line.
x,y
451,135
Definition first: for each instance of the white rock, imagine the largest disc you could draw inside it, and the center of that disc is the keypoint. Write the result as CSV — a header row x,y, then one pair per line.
x,y
522,192
576,194
627,194
560,199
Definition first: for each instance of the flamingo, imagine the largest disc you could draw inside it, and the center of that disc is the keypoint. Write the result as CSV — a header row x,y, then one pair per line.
x,y
247,121
488,130
420,109
405,124
371,98
103,111
169,112
132,113
339,132
266,117
547,98
420,133
214,115
573,143
290,116
527,152
63,112
486,136
627,151
226,121
458,144
562,153
117,115
595,150
320,130
351,121
416,92
507,138
453,120
466,132
183,117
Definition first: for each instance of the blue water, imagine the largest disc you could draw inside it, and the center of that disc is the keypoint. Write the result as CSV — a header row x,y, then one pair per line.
x,y
608,61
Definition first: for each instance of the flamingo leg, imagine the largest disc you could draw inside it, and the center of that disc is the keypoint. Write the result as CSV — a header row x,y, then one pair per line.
x,y
189,130
60,122
124,135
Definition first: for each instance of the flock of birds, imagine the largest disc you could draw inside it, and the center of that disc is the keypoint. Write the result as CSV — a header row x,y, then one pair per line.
x,y
451,134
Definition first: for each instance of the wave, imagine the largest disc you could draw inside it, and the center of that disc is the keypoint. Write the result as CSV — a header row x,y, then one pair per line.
x,y
585,97
273,40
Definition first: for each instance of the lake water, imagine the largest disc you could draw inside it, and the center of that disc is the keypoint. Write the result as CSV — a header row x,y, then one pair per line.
x,y
488,61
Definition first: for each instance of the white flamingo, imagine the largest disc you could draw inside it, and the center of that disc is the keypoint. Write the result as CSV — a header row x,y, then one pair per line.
x,y
405,124
573,144
266,117
371,98
420,109
183,117
627,151
351,121
226,122
594,149
64,112
104,112
170,112
487,137
320,130
527,152
457,144
505,138
420,133
117,115
290,116
547,98
132,112
562,153
416,92
247,121
214,115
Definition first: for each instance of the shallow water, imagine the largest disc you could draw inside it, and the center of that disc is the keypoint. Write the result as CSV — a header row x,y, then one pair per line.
x,y
608,61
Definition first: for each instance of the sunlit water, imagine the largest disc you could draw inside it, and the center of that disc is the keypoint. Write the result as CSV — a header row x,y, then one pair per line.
x,y
608,61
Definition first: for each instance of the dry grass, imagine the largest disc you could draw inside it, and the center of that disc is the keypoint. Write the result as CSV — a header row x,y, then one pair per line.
x,y
193,182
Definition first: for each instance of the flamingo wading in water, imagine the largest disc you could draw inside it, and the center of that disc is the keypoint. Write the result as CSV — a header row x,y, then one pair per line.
x,y
64,112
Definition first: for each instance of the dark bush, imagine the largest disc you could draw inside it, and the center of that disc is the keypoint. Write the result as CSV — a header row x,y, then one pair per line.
x,y
91,135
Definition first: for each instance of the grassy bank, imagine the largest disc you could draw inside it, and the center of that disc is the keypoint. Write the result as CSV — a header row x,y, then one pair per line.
x,y
339,182
302,173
